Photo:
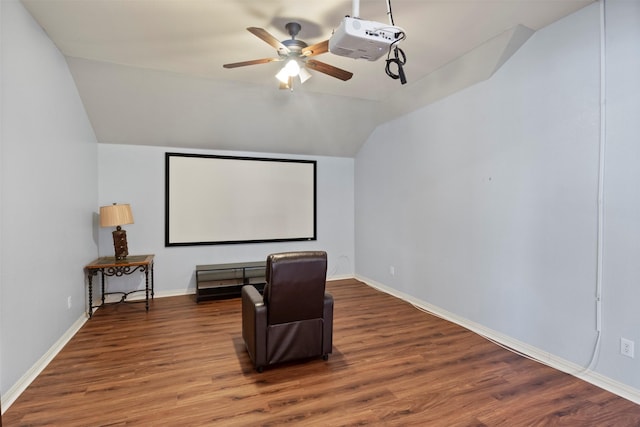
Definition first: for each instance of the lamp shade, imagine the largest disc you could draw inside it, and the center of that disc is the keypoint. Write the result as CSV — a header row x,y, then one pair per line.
x,y
115,215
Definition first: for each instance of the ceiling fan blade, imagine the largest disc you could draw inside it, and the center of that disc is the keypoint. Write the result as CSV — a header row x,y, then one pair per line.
x,y
330,70
267,37
316,49
252,62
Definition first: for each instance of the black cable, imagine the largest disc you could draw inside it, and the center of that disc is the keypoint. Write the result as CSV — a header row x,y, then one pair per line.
x,y
399,58
390,13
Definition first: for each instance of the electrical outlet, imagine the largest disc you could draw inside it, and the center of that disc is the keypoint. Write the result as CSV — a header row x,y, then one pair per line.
x,y
69,303
626,347
392,270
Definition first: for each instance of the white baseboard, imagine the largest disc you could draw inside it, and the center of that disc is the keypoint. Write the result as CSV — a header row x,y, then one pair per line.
x,y
339,277
555,362
140,295
21,385
530,351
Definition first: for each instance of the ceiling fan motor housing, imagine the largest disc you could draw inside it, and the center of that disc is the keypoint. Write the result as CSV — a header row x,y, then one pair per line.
x,y
293,28
293,45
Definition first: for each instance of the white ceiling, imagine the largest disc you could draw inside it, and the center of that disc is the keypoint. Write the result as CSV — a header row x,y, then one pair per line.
x,y
150,72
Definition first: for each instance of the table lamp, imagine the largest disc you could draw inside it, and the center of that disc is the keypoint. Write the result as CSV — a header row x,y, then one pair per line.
x,y
115,216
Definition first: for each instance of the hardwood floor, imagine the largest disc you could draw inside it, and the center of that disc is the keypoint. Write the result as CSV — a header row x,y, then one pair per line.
x,y
184,364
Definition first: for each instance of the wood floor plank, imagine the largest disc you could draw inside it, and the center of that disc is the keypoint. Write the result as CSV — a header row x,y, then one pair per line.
x,y
184,364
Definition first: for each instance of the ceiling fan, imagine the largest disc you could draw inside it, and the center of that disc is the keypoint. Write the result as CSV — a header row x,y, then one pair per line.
x,y
296,53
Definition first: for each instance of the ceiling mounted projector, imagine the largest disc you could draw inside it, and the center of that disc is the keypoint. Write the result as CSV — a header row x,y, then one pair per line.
x,y
359,39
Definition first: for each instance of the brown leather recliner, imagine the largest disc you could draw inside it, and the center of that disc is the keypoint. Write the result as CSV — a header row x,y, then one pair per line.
x,y
294,318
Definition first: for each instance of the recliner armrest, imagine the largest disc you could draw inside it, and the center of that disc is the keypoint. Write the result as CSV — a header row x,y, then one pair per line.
x,y
252,295
254,324
327,339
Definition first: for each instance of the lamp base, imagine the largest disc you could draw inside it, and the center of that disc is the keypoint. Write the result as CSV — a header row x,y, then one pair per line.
x,y
120,243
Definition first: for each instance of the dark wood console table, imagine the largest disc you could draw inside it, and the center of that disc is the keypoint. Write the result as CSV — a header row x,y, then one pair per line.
x,y
108,266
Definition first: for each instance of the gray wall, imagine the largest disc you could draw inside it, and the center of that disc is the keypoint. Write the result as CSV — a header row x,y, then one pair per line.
x,y
485,203
135,175
621,284
55,176
49,192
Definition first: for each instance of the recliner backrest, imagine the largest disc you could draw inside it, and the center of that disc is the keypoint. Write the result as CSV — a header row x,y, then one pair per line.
x,y
295,286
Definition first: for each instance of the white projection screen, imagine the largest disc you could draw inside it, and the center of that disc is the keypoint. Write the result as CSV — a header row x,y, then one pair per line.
x,y
223,199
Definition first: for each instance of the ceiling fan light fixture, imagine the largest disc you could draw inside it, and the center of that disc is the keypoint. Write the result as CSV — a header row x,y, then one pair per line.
x,y
304,75
291,69
283,76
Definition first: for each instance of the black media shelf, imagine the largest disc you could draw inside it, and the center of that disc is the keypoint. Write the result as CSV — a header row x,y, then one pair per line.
x,y
218,281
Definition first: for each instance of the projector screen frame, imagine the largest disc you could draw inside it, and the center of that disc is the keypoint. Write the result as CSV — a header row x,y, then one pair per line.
x,y
306,177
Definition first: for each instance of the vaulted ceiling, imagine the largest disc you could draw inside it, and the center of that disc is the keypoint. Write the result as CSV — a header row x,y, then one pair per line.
x,y
150,72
